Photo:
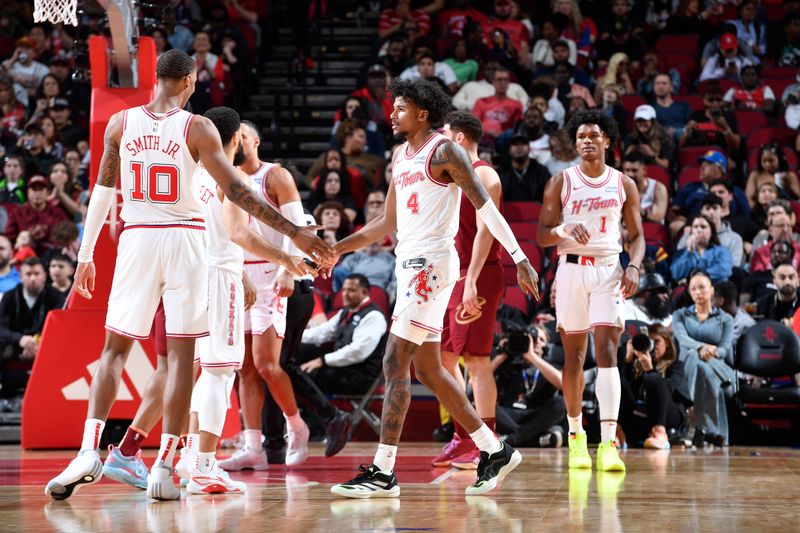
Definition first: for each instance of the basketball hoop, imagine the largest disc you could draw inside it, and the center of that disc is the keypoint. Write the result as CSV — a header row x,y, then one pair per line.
x,y
56,11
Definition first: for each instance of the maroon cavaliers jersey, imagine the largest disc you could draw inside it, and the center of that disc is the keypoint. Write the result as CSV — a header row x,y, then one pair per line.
x,y
468,229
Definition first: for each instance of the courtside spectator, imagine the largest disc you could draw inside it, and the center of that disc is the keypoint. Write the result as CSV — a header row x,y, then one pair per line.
x,y
726,297
498,112
543,49
650,139
783,302
711,208
12,184
472,91
26,72
357,332
751,93
60,271
712,125
731,212
651,302
703,252
772,167
9,275
374,93
465,68
673,115
777,206
779,229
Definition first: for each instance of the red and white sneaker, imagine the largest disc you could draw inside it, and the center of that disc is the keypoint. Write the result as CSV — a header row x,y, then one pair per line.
x,y
468,461
453,449
215,482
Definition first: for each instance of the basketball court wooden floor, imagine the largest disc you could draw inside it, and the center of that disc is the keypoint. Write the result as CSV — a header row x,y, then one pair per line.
x,y
736,489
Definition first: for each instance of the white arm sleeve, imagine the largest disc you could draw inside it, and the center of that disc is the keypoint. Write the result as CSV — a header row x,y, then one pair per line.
x,y
99,204
293,212
501,231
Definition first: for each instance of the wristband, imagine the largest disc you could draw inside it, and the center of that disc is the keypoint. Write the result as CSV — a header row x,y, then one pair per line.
x,y
634,266
561,232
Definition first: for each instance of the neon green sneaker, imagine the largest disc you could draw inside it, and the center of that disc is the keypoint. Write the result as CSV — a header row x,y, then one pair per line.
x,y
609,485
608,458
578,452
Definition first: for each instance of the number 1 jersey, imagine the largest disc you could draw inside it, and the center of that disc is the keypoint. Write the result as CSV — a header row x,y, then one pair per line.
x,y
427,210
157,167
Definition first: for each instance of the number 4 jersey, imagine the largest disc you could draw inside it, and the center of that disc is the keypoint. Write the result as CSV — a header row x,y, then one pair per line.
x,y
427,210
597,204
156,168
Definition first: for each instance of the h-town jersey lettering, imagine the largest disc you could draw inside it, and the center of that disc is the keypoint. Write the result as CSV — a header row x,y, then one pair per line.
x,y
597,204
427,209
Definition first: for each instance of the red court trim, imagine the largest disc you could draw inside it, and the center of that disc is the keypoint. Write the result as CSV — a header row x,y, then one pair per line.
x,y
187,335
568,184
428,168
585,179
126,334
187,127
418,150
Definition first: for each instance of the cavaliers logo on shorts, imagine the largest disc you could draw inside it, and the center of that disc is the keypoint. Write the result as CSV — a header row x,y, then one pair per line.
x,y
463,317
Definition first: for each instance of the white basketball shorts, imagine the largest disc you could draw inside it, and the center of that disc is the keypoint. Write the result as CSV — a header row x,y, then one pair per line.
x,y
224,346
165,262
269,310
424,286
589,295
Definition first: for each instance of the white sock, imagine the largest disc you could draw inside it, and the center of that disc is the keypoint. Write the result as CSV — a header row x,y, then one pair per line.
x,y
385,456
608,391
192,442
295,422
252,439
205,462
485,439
166,453
92,429
575,424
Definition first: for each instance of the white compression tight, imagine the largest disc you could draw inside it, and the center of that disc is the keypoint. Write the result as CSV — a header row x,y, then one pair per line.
x,y
210,398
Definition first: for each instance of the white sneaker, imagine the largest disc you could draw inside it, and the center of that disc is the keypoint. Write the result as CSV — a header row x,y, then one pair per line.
x,y
297,450
185,465
85,469
160,485
245,459
215,482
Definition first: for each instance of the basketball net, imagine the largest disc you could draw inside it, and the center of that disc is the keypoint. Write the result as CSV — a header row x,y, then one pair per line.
x,y
56,11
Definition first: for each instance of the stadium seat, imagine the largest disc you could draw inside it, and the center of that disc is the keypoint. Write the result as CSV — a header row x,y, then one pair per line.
x,y
524,231
768,350
694,101
724,83
324,286
685,44
688,175
689,155
630,102
750,120
660,174
788,73
655,233
522,211
517,299
774,10
685,63
796,209
761,136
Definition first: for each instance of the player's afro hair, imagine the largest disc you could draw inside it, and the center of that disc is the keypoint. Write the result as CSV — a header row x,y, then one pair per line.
x,y
425,95
174,64
593,116
226,120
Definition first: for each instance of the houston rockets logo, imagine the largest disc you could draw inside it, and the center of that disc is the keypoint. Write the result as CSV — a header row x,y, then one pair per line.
x,y
769,334
463,317
421,283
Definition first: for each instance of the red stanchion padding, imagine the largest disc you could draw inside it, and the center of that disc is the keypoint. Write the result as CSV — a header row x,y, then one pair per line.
x,y
55,403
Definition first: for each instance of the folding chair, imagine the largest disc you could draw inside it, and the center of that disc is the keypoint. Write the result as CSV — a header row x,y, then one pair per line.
x,y
361,406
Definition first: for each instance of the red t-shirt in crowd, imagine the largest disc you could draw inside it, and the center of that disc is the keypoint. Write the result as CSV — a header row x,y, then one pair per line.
x,y
387,104
761,257
390,19
497,115
454,19
39,223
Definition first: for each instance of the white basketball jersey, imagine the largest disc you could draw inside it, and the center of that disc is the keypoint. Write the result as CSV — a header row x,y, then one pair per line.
x,y
427,210
222,251
597,204
258,181
157,167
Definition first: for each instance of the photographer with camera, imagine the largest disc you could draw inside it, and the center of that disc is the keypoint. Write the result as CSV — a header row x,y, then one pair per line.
x,y
713,124
529,411
655,393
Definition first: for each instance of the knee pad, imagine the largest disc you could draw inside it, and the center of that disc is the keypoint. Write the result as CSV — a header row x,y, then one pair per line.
x,y
210,398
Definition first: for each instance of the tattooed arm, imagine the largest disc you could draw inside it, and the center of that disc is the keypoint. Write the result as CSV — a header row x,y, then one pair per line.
x,y
451,163
103,196
204,141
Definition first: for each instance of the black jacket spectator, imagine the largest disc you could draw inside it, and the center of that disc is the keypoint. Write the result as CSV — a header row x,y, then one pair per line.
x,y
522,178
22,314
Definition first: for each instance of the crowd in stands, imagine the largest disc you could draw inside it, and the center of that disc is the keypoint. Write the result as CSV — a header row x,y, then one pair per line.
x,y
707,97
